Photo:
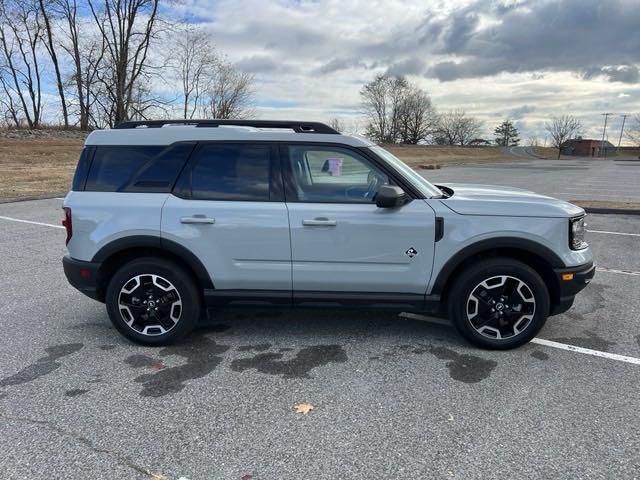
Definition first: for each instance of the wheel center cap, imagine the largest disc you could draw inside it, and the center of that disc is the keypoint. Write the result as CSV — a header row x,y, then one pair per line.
x,y
499,306
151,304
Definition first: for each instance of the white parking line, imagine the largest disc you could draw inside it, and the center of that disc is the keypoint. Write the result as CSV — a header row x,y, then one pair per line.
x,y
586,351
614,233
539,341
613,270
19,220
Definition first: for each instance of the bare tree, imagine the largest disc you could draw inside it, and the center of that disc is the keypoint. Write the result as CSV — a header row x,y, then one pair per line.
x,y
88,86
375,102
633,132
10,110
20,35
561,129
398,91
229,94
127,28
85,52
337,124
457,128
417,117
533,141
47,11
396,110
194,62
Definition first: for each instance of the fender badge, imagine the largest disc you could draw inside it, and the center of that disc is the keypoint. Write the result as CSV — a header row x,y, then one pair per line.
x,y
412,252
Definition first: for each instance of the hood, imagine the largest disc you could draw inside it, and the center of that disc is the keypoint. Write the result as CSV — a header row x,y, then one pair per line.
x,y
471,199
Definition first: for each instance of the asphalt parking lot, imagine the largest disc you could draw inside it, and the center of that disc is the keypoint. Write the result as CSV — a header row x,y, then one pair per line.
x,y
576,179
394,397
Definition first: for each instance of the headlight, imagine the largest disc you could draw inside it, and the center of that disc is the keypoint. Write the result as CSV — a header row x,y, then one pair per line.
x,y
576,233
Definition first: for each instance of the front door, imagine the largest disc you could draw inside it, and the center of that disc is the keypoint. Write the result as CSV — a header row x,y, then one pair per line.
x,y
340,241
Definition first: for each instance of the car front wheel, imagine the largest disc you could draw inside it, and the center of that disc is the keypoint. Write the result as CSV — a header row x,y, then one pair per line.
x,y
499,303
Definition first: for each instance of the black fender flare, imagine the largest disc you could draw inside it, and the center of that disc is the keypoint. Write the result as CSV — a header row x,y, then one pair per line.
x,y
514,243
158,243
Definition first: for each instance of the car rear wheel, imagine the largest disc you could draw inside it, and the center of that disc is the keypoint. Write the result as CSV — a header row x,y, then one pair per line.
x,y
499,303
153,301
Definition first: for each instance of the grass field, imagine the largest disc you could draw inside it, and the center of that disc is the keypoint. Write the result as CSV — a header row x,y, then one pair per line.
x,y
34,167
417,155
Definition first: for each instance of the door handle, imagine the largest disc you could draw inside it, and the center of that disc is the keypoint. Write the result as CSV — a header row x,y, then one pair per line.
x,y
319,222
198,219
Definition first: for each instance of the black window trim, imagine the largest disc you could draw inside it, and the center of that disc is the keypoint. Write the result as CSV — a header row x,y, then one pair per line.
x,y
276,191
290,190
281,174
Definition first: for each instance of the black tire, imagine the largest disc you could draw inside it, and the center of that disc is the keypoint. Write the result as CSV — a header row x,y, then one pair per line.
x,y
517,320
181,301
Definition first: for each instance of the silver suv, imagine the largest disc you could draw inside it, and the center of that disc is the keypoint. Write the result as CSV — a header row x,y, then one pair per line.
x,y
167,218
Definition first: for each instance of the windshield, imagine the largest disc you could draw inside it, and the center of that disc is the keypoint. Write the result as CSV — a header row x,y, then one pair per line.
x,y
417,180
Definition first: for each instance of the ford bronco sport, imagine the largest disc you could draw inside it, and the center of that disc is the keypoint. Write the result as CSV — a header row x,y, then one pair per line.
x,y
167,218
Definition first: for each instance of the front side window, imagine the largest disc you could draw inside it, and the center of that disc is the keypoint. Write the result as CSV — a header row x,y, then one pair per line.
x,y
333,175
227,171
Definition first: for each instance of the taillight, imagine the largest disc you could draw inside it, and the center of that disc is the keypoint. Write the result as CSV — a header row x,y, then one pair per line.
x,y
66,223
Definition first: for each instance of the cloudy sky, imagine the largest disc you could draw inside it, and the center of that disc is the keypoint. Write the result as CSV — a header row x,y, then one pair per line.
x,y
521,59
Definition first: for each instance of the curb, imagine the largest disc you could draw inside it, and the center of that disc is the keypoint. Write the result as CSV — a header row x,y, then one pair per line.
x,y
612,211
48,196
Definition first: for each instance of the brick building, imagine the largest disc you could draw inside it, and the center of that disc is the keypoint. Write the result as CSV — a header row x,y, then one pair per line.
x,y
584,147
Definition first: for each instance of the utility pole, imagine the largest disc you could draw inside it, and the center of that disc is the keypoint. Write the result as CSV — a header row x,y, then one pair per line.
x,y
603,152
624,118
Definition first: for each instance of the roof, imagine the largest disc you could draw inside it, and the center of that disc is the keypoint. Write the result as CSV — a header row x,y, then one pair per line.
x,y
171,131
590,140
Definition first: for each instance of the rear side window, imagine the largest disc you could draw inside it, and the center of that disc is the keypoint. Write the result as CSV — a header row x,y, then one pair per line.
x,y
136,168
227,171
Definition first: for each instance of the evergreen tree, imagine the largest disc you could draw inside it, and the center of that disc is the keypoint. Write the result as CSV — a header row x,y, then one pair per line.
x,y
506,134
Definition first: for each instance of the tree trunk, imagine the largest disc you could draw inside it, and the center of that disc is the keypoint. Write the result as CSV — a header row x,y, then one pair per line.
x,y
54,59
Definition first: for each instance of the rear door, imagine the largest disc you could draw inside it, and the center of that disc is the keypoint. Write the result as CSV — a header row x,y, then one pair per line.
x,y
341,242
228,209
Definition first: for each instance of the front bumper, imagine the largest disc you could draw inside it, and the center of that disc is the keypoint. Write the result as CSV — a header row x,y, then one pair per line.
x,y
571,281
83,276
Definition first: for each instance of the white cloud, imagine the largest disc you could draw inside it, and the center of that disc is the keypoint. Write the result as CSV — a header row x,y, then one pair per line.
x,y
500,59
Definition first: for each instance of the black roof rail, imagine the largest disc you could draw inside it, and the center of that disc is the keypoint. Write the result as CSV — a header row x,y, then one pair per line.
x,y
298,127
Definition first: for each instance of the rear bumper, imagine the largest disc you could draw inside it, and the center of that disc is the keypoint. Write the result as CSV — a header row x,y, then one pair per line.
x,y
83,276
571,281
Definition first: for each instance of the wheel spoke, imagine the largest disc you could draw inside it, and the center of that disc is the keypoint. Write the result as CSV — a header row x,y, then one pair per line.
x,y
488,320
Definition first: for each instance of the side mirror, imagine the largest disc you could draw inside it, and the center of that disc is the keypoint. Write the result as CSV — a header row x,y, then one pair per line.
x,y
390,196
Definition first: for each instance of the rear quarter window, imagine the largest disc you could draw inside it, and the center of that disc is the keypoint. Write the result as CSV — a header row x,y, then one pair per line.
x,y
136,168
80,176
